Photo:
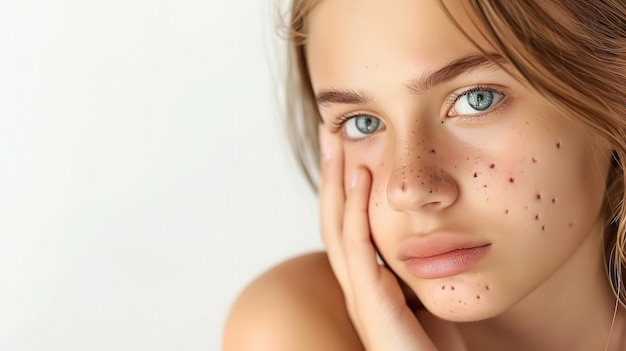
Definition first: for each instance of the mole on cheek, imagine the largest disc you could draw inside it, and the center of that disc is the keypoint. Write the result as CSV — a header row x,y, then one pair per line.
x,y
558,144
492,166
511,180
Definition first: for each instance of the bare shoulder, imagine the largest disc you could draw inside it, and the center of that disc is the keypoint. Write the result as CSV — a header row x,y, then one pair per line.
x,y
297,305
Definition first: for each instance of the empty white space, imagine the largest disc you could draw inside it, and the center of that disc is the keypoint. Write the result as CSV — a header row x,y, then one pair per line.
x,y
144,174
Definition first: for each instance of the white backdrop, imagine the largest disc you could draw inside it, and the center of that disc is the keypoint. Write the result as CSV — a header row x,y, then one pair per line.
x,y
144,175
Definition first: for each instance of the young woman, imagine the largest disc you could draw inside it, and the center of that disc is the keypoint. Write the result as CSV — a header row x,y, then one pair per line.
x,y
472,182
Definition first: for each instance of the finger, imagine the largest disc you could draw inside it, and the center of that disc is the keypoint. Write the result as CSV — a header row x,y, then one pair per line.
x,y
360,253
376,285
331,200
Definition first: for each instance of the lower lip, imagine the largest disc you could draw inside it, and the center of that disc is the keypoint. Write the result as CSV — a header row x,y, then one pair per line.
x,y
446,264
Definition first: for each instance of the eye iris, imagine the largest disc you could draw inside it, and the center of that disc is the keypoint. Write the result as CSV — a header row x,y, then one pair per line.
x,y
367,124
480,100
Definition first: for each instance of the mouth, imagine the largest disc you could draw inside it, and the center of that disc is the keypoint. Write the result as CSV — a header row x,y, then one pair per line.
x,y
446,264
441,254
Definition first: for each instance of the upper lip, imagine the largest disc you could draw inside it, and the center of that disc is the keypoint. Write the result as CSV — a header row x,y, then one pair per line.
x,y
436,243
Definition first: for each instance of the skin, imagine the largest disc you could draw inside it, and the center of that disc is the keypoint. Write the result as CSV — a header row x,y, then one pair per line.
x,y
519,177
504,178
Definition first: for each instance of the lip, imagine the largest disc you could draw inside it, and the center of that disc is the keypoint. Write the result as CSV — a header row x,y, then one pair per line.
x,y
440,255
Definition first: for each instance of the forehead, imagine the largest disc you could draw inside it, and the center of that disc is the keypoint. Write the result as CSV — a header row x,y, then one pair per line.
x,y
346,37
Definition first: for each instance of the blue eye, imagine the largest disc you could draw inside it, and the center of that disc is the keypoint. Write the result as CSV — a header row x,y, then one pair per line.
x,y
360,126
475,101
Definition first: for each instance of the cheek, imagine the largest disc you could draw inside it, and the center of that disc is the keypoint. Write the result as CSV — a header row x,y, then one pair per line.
x,y
370,157
551,191
378,195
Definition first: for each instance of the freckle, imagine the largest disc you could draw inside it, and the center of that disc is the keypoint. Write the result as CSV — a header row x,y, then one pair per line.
x,y
558,145
442,122
538,196
511,180
536,217
452,288
506,212
534,160
477,297
543,228
493,165
460,301
432,151
526,207
475,175
403,186
443,287
487,287
571,224
553,200
376,204
484,185
467,159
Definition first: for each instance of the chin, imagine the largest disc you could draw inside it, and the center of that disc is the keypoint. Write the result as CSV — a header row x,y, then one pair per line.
x,y
462,314
461,303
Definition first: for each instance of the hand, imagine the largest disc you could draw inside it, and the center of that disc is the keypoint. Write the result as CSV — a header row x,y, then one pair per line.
x,y
374,298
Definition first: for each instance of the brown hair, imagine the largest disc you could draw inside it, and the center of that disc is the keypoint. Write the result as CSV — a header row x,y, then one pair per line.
x,y
573,53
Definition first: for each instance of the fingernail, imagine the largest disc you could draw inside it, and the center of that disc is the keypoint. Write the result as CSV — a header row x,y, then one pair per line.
x,y
325,147
355,178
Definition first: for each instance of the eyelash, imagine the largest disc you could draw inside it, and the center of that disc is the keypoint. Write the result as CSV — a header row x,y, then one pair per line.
x,y
340,121
338,124
477,116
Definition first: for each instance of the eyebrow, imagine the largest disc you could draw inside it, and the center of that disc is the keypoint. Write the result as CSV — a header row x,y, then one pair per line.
x,y
417,86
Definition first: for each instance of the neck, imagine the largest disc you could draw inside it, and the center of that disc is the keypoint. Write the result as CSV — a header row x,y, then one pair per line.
x,y
565,313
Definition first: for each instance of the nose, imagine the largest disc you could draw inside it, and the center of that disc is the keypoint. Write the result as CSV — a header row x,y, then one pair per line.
x,y
418,182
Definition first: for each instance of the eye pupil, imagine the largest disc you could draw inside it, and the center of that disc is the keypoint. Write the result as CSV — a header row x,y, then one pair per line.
x,y
367,124
480,100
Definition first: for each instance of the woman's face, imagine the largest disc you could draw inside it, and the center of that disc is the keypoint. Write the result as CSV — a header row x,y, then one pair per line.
x,y
482,196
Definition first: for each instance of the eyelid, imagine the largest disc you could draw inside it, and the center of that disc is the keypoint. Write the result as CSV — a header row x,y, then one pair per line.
x,y
337,125
454,97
